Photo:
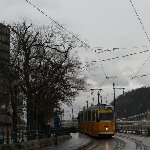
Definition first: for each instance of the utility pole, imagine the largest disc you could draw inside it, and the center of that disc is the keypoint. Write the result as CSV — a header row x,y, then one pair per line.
x,y
98,98
93,100
101,99
87,104
72,114
114,88
114,104
114,95
99,90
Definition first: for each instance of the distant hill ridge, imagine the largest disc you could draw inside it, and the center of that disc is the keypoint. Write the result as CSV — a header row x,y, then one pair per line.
x,y
133,102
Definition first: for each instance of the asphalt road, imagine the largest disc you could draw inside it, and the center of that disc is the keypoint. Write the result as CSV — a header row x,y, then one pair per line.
x,y
118,142
78,140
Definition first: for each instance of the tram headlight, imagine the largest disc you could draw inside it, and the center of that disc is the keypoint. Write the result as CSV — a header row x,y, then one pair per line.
x,y
106,129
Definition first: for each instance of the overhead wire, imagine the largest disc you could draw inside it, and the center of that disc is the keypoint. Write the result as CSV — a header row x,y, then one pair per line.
x,y
65,30
102,68
107,50
102,49
143,75
101,84
127,55
140,20
145,34
106,76
141,67
58,24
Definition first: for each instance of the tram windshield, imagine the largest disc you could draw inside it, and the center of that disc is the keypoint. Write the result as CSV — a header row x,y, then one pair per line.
x,y
105,116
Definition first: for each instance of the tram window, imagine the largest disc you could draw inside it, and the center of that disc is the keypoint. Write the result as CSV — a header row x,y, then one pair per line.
x,y
89,115
78,118
106,116
97,117
81,117
85,116
93,115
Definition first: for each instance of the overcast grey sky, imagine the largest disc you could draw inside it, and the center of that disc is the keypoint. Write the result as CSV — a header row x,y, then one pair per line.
x,y
103,23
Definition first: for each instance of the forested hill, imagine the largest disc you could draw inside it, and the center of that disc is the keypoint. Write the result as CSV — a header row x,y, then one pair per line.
x,y
133,102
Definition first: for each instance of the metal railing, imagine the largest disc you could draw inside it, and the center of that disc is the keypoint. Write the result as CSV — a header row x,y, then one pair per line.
x,y
6,135
136,127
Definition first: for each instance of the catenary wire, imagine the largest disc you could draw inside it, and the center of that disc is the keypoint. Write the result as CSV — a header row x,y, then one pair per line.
x,y
102,68
127,55
143,75
101,84
140,21
65,30
58,24
141,67
102,50
145,34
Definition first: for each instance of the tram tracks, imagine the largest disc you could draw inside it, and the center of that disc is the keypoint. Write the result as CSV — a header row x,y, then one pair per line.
x,y
100,143
120,144
81,146
93,145
139,144
97,144
130,141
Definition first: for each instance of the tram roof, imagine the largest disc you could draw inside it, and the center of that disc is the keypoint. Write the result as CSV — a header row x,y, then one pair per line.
x,y
98,107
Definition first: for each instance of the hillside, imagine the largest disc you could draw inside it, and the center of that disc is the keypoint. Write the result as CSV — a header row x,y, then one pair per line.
x,y
133,102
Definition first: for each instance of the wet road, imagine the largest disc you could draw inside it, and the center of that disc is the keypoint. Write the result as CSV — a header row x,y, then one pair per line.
x,y
103,144
78,140
118,142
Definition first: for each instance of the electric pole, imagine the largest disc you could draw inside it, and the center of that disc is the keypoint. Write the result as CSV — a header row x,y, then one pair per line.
x,y
99,90
87,104
72,113
98,98
114,88
101,99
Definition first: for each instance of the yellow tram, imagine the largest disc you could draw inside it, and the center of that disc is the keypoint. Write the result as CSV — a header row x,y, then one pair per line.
x,y
97,120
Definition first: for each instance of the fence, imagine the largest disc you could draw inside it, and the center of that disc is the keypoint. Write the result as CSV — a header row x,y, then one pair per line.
x,y
7,134
136,127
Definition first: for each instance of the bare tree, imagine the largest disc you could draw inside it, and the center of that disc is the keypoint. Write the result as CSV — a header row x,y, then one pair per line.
x,y
45,73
